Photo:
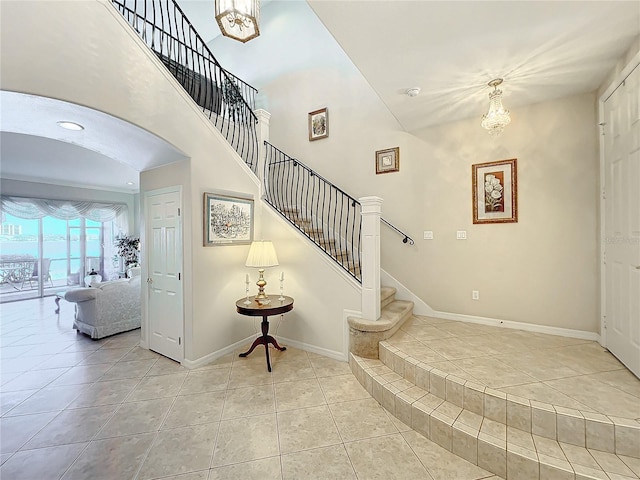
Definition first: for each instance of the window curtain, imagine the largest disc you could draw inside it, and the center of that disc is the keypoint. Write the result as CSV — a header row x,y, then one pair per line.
x,y
33,208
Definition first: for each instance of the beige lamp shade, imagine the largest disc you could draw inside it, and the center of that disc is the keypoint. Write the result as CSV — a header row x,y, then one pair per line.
x,y
262,255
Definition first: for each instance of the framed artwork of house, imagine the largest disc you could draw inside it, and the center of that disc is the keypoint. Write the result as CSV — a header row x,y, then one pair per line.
x,y
318,124
228,220
388,160
495,192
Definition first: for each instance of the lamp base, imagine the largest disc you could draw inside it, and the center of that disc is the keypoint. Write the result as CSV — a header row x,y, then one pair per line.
x,y
262,297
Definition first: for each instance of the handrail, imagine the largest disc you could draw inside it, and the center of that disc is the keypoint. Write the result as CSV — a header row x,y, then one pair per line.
x,y
327,215
406,238
224,98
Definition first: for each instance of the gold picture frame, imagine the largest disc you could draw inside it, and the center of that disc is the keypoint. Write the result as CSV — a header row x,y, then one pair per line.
x,y
318,124
495,192
388,160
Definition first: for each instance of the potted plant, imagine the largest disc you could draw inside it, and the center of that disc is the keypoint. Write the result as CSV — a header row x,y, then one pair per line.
x,y
128,250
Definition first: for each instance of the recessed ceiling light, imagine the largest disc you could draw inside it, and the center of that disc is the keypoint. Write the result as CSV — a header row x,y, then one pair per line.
x,y
71,125
130,183
413,92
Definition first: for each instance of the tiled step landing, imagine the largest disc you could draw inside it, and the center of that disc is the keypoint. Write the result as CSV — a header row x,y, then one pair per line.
x,y
513,437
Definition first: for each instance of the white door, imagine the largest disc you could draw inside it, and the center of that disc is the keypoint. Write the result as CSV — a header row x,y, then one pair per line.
x,y
622,222
164,260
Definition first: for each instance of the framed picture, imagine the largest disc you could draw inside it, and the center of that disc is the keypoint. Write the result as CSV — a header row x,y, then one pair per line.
x,y
388,160
318,124
495,192
228,220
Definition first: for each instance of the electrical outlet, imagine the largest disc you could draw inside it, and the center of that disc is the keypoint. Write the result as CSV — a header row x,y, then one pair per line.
x,y
475,295
427,235
461,235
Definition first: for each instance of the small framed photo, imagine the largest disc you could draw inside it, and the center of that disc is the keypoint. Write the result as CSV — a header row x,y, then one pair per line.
x,y
495,192
318,124
228,220
388,160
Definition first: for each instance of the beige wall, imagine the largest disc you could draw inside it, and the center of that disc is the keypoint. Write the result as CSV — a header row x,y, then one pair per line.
x,y
542,270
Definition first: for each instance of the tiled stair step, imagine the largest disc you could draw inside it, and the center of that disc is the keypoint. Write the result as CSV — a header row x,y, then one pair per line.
x,y
478,426
584,429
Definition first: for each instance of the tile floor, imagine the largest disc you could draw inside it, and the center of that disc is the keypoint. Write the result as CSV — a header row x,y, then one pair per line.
x,y
566,372
74,408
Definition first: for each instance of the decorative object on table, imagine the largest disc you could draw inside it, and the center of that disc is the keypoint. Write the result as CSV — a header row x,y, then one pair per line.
x,y
388,160
318,124
281,297
246,290
495,192
262,255
92,278
497,117
128,250
228,220
238,20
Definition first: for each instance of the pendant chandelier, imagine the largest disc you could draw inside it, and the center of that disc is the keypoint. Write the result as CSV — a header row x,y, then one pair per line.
x,y
238,19
497,117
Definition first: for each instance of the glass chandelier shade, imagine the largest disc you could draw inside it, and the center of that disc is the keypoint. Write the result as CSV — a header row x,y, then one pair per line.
x,y
238,19
497,117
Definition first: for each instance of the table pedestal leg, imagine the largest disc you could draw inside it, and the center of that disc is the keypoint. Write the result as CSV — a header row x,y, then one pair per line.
x,y
265,340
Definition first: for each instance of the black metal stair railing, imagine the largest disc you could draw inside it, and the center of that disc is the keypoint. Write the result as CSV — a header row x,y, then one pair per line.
x,y
227,100
323,212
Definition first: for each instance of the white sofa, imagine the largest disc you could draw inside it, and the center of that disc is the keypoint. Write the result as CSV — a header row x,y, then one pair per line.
x,y
107,308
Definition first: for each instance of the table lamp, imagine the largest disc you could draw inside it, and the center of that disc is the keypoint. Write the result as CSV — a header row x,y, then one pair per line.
x,y
262,255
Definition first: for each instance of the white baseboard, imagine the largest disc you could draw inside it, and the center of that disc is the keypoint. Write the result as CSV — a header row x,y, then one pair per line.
x,y
313,349
529,327
421,308
217,354
345,323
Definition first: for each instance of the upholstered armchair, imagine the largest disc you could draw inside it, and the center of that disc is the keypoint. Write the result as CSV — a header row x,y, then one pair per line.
x,y
107,308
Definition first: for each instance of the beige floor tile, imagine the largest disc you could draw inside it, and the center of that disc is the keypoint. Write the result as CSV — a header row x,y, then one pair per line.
x,y
610,463
105,393
342,388
306,428
493,373
291,354
194,453
111,355
134,369
246,439
319,464
328,367
33,379
165,366
249,374
16,431
208,380
298,394
631,462
41,463
136,417
246,401
81,374
195,409
139,353
9,400
542,392
263,469
201,475
621,379
361,419
442,464
113,458
72,426
49,399
161,386
537,366
290,371
385,458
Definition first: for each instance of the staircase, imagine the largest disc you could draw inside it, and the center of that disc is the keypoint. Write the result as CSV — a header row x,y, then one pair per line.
x,y
512,437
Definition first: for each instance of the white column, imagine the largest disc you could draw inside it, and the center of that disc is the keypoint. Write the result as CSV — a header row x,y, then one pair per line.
x,y
263,135
370,255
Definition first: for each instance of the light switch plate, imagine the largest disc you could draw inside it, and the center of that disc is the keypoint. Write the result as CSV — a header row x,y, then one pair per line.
x,y
427,235
461,235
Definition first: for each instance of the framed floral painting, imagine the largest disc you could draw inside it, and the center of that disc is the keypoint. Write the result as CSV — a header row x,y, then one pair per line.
x,y
495,192
318,124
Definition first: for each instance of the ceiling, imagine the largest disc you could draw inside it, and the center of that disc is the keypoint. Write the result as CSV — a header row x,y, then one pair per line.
x,y
450,49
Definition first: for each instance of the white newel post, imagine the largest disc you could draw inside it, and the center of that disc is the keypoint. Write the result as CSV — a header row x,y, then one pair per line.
x,y
263,135
371,213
